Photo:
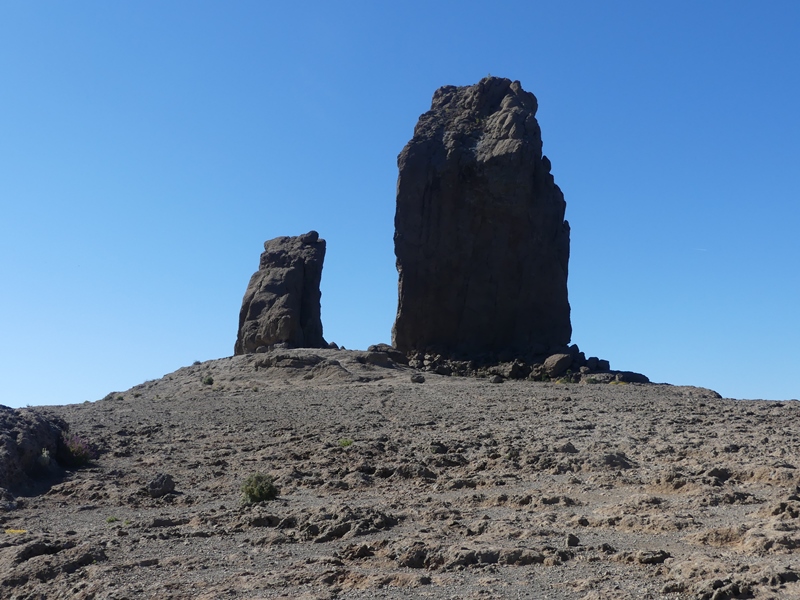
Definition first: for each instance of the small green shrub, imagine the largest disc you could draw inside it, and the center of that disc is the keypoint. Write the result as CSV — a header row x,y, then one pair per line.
x,y
208,380
258,488
112,520
44,461
345,442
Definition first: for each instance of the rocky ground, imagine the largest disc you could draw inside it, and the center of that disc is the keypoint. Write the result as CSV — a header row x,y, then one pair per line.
x,y
455,487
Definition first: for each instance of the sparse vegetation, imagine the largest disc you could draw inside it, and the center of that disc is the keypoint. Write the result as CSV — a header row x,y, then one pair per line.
x,y
195,363
258,488
77,451
44,459
112,520
208,380
345,442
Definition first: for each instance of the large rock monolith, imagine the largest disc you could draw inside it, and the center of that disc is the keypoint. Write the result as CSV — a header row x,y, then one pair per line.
x,y
481,242
282,301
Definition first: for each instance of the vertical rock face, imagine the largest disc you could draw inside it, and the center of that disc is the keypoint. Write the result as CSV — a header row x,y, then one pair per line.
x,y
282,301
481,242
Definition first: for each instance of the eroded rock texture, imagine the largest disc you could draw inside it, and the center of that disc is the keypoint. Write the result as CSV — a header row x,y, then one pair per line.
x,y
282,301
481,242
28,441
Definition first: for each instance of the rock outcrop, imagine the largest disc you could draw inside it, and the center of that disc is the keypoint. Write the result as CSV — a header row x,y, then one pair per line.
x,y
29,445
282,301
481,242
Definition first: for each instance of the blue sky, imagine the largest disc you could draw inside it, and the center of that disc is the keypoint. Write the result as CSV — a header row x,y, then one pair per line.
x,y
148,149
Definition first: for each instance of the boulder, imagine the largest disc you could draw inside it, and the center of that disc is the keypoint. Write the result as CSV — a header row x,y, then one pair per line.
x,y
282,301
557,364
631,377
393,353
481,242
161,485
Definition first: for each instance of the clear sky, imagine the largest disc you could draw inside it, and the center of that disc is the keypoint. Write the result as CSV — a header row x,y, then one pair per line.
x,y
147,150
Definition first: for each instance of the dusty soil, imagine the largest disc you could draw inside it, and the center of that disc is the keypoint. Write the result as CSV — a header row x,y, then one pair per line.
x,y
451,488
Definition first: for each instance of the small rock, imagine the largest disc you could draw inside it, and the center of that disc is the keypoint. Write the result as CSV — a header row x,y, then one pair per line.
x,y
496,379
652,557
161,485
567,448
572,541
418,378
438,448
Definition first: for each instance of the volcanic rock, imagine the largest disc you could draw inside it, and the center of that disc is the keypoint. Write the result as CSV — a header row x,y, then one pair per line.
x,y
481,242
282,301
29,443
557,364
162,485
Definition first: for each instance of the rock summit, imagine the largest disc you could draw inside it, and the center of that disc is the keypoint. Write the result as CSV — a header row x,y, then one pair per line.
x,y
480,238
282,301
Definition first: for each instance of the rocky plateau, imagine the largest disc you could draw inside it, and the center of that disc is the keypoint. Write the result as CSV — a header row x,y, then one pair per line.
x,y
395,483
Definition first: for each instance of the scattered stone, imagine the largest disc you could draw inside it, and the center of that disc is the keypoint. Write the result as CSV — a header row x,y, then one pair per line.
x,y
652,557
418,378
481,242
439,448
566,448
282,301
496,379
41,561
161,486
572,541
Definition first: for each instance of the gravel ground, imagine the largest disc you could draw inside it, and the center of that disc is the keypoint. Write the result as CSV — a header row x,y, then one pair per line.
x,y
451,488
